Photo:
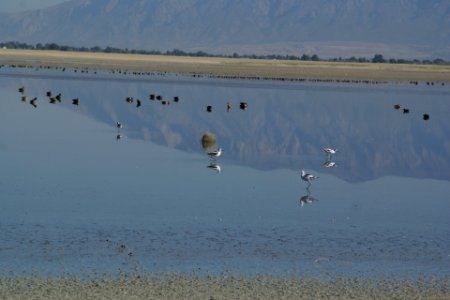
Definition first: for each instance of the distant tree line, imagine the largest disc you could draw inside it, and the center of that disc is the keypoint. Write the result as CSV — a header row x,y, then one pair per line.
x,y
377,58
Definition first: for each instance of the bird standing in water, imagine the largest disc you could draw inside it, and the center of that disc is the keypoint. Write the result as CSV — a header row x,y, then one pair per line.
x,y
308,177
215,154
330,151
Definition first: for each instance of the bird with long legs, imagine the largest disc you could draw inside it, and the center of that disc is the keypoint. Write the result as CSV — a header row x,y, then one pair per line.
x,y
215,154
308,178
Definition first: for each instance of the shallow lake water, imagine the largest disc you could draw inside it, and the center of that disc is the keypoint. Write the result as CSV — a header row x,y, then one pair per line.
x,y
79,194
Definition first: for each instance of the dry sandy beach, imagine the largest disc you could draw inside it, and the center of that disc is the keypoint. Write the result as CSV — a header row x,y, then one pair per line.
x,y
228,67
176,286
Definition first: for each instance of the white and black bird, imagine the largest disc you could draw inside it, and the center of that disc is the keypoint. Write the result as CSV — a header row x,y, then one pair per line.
x,y
330,151
215,154
119,125
308,177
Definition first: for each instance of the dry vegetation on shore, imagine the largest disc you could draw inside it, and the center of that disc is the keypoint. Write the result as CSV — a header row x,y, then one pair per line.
x,y
227,67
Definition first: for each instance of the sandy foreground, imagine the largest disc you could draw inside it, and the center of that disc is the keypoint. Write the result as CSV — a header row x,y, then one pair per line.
x,y
227,67
173,286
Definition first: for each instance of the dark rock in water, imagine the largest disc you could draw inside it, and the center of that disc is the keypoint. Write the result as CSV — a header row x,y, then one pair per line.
x,y
208,140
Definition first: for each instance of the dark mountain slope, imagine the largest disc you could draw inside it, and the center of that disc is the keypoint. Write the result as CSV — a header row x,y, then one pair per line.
x,y
414,28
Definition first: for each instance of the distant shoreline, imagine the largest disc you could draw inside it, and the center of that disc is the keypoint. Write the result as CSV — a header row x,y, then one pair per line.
x,y
228,67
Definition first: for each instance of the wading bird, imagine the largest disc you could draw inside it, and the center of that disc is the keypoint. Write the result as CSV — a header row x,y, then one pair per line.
x,y
308,177
215,154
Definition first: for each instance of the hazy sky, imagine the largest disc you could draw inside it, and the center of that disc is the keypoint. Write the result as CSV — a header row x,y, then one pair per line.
x,y
20,5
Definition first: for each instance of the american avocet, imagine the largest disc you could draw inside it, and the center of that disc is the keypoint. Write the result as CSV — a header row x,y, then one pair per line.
x,y
308,177
330,151
215,154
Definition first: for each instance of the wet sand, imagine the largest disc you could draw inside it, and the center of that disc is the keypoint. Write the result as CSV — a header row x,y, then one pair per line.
x,y
227,67
175,286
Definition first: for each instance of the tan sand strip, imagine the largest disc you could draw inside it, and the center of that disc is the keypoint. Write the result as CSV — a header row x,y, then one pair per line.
x,y
228,67
173,286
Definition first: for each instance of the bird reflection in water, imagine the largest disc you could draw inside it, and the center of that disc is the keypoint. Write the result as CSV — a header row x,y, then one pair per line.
x,y
307,199
329,164
215,167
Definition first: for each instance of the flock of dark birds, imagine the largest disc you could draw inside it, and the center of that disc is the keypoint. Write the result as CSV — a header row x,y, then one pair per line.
x,y
53,99
213,155
406,111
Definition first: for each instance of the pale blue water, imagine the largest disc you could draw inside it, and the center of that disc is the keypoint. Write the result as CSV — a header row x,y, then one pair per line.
x,y
74,198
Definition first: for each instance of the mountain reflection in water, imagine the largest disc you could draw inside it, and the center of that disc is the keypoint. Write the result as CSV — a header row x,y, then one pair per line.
x,y
285,125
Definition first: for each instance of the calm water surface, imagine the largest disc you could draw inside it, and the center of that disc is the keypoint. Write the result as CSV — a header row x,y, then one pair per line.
x,y
74,197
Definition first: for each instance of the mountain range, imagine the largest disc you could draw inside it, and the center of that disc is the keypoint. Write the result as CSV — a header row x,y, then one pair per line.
x,y
330,28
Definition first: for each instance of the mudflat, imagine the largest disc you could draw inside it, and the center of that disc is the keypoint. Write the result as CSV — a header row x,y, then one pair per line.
x,y
227,67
